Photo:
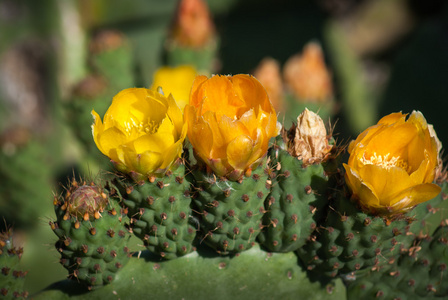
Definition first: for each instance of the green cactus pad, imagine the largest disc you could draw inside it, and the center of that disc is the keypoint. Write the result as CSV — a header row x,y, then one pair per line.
x,y
351,240
92,237
254,274
204,59
230,212
12,278
160,212
297,194
419,273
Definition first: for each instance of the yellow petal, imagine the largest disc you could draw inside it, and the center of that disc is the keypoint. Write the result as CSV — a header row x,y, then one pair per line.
x,y
159,141
175,114
97,128
174,151
414,195
109,139
148,162
176,81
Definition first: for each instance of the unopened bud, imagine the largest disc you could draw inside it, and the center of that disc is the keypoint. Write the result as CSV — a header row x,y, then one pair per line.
x,y
268,73
310,143
85,201
193,26
307,75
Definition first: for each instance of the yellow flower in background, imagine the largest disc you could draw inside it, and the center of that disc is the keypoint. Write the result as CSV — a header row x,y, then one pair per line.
x,y
392,164
142,132
230,121
176,81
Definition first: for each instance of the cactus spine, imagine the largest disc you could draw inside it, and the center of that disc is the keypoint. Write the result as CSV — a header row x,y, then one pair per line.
x,y
12,278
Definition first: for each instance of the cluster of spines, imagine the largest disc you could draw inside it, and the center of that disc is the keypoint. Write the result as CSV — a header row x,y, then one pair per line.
x,y
417,273
160,210
92,234
350,240
11,278
230,212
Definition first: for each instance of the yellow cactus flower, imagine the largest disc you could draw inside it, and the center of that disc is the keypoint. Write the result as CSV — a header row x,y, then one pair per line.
x,y
392,164
142,132
176,81
230,121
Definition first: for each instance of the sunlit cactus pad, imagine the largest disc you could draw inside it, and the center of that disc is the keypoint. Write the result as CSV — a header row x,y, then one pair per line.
x,y
204,275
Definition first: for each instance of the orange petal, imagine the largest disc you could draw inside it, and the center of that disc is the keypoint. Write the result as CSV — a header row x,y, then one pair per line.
x,y
385,182
239,152
392,118
196,96
364,191
199,132
220,97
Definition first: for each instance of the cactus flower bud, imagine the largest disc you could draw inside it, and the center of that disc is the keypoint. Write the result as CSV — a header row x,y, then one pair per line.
x,y
307,75
230,121
142,132
310,142
392,164
85,199
193,26
268,73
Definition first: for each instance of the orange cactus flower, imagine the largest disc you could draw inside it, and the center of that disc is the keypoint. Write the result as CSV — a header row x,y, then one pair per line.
x,y
269,75
193,26
230,121
307,75
392,164
142,132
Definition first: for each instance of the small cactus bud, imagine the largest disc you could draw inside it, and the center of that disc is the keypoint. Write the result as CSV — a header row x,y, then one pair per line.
x,y
86,201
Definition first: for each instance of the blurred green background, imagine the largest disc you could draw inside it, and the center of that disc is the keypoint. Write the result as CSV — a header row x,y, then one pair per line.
x,y
385,56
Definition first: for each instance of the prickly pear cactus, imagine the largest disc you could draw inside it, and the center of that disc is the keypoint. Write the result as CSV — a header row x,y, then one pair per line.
x,y
419,273
92,234
25,174
298,193
351,240
160,212
230,212
12,278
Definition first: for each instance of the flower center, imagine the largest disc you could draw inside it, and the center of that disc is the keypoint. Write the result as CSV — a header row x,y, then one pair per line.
x,y
132,127
385,161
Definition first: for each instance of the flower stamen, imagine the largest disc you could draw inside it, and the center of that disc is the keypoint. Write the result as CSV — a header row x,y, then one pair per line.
x,y
133,127
385,161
